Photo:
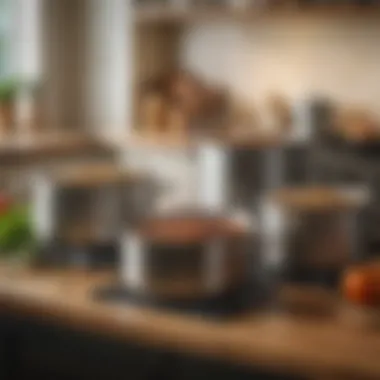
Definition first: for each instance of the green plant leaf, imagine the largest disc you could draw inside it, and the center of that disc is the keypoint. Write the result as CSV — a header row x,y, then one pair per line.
x,y
8,89
15,231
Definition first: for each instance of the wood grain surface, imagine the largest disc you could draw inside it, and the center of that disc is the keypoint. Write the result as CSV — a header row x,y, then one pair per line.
x,y
162,14
316,347
48,145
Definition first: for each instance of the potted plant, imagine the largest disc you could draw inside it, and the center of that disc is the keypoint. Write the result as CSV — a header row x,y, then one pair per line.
x,y
8,92
16,236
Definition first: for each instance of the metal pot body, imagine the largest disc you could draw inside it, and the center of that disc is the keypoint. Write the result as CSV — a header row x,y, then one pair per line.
x,y
308,247
183,271
85,215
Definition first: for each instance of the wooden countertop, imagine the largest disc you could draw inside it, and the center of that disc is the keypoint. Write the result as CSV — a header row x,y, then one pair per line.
x,y
297,345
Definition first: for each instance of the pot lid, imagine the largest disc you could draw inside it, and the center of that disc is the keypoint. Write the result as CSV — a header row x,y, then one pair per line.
x,y
189,229
319,199
92,175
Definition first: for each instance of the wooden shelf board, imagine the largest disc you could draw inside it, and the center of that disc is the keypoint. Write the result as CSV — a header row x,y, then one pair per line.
x,y
172,15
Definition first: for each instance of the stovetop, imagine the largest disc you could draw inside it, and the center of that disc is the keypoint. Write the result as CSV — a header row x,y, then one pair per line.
x,y
252,294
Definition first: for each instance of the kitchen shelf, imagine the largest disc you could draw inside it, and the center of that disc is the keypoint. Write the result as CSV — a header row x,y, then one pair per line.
x,y
161,30
168,14
27,149
169,141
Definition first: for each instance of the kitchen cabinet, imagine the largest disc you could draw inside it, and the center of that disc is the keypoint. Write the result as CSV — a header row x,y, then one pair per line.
x,y
35,350
52,311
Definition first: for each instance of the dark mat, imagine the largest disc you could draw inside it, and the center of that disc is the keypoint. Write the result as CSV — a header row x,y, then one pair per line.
x,y
236,301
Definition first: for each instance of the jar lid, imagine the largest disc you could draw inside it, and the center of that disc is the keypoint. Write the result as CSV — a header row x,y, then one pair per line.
x,y
315,199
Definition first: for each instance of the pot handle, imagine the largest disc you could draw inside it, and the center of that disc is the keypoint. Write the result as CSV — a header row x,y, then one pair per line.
x,y
132,260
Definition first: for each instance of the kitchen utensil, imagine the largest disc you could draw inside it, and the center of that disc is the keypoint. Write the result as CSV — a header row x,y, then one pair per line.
x,y
185,256
281,113
309,234
83,204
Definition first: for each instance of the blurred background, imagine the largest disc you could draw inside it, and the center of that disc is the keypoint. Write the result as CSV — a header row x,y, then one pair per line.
x,y
207,157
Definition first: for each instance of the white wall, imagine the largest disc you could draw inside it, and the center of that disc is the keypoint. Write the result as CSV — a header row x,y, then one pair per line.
x,y
295,56
27,33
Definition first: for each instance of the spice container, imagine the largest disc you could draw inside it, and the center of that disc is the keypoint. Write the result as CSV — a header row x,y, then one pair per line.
x,y
153,113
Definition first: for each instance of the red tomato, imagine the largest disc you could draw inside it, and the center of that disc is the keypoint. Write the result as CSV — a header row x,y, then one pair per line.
x,y
362,285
